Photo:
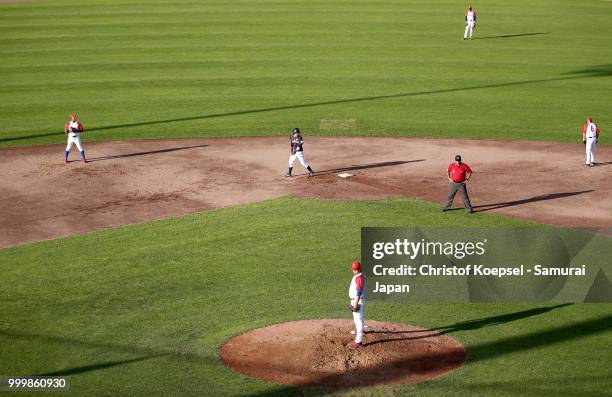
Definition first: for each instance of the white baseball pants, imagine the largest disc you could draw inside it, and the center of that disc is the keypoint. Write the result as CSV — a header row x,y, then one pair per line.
x,y
469,29
76,140
590,150
299,156
358,319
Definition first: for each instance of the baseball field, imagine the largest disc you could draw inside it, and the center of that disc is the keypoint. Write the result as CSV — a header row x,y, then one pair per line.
x,y
128,275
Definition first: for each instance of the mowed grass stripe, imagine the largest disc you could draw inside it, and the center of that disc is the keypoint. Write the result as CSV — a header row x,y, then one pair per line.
x,y
219,69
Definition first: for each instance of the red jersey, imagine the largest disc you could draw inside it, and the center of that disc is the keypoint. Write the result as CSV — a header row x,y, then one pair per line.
x,y
457,172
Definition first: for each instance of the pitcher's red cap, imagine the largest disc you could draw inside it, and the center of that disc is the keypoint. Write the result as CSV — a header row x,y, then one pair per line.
x,y
356,265
73,116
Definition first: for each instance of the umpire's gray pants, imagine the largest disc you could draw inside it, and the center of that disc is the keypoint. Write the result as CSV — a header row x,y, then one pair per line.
x,y
454,186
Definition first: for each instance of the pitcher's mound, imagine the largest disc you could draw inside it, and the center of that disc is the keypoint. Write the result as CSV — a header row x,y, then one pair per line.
x,y
316,353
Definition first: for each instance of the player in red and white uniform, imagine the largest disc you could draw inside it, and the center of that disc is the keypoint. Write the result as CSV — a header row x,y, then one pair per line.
x,y
74,128
590,137
470,22
357,295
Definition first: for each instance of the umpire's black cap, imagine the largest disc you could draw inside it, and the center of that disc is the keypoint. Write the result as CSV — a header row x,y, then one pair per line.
x,y
296,130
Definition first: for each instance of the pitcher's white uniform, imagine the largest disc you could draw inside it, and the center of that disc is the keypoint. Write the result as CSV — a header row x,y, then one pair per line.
x,y
470,23
356,288
590,135
74,128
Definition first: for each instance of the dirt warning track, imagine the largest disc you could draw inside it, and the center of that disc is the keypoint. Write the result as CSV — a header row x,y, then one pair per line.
x,y
129,182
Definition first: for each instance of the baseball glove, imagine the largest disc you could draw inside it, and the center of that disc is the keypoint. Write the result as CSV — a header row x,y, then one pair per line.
x,y
354,309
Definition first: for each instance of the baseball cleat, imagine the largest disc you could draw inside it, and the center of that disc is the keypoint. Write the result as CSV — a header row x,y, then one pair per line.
x,y
287,175
355,346
311,173
592,165
65,161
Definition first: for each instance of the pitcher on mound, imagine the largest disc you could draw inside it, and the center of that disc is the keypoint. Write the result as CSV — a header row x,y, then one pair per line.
x,y
357,295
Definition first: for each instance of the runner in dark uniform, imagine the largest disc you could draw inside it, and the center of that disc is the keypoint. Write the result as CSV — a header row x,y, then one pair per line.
x,y
297,151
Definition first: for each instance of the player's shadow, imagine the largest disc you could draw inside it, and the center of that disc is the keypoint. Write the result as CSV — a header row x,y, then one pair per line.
x,y
159,151
504,36
469,325
366,166
593,71
543,197
495,348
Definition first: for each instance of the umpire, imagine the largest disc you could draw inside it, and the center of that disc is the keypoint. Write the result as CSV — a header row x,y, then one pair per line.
x,y
458,175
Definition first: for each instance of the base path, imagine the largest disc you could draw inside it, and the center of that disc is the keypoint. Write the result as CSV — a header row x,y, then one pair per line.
x,y
315,353
129,182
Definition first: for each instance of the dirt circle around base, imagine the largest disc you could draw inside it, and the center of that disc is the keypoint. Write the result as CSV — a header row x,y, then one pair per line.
x,y
315,353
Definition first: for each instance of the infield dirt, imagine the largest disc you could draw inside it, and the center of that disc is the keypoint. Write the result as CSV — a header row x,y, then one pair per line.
x,y
130,182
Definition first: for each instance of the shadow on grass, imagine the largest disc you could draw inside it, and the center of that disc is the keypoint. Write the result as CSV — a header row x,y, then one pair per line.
x,y
483,322
504,36
579,385
103,365
119,156
143,353
543,197
593,71
469,325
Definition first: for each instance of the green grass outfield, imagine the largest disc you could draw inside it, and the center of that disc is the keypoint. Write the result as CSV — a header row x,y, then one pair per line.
x,y
159,68
142,310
